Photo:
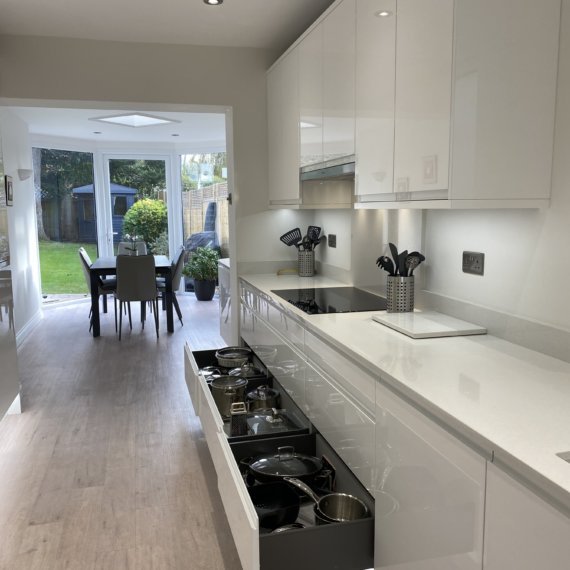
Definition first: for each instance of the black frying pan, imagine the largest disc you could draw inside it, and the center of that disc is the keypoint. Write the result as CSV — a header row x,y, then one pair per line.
x,y
276,504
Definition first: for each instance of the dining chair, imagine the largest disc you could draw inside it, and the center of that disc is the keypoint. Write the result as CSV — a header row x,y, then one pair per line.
x,y
176,269
136,281
105,285
127,248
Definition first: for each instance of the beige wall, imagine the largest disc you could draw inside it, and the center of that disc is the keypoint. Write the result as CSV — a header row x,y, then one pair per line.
x,y
83,70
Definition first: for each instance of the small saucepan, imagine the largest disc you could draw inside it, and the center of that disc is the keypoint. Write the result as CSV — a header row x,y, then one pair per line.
x,y
262,397
333,507
277,504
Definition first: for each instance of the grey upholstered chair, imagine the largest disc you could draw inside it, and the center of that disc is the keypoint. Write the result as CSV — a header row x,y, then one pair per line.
x,y
177,267
126,248
136,281
106,286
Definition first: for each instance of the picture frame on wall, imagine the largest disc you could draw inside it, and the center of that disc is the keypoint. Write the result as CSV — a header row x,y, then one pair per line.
x,y
8,185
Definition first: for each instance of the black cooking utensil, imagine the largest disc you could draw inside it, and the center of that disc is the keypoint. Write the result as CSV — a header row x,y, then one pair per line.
x,y
402,263
419,257
412,262
394,251
313,233
386,264
276,504
292,237
320,240
307,244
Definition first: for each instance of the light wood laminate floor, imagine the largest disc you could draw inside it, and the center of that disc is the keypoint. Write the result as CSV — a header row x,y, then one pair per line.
x,y
107,467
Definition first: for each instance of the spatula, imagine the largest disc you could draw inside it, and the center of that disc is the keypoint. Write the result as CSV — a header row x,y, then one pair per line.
x,y
292,237
386,264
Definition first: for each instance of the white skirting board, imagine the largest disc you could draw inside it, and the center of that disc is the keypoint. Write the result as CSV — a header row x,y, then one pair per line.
x,y
427,324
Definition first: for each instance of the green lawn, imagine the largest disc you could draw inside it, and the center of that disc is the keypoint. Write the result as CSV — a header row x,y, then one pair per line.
x,y
60,266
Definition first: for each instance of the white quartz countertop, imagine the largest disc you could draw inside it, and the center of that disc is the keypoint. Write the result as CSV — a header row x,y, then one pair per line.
x,y
510,402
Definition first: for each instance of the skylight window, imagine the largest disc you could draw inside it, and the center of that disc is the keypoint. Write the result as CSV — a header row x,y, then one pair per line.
x,y
134,120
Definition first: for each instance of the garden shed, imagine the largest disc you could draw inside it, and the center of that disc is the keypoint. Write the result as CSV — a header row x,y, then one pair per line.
x,y
122,198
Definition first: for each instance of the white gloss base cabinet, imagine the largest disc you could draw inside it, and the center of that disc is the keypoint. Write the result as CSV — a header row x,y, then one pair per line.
x,y
429,493
521,530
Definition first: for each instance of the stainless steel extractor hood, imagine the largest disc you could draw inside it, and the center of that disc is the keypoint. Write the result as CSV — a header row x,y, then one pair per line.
x,y
328,184
338,168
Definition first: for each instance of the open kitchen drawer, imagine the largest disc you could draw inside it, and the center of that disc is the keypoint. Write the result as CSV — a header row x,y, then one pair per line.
x,y
340,546
204,404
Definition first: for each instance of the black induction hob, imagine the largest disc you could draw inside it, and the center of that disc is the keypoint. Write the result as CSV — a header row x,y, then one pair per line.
x,y
321,300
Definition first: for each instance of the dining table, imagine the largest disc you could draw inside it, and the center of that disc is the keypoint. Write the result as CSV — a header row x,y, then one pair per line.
x,y
107,267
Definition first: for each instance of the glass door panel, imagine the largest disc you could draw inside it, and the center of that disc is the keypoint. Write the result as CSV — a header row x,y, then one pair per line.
x,y
138,204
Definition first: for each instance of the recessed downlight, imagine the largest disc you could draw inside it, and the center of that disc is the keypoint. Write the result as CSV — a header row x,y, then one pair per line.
x,y
213,2
383,14
96,132
174,135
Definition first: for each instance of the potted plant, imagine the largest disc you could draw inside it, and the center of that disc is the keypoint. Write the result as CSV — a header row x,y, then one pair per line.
x,y
203,268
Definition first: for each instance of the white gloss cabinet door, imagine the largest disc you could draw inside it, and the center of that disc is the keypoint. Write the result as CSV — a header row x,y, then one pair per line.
x,y
429,493
375,86
338,81
506,56
311,97
521,530
283,129
424,46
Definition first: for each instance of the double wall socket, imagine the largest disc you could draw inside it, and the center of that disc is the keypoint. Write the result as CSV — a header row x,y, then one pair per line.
x,y
473,262
331,240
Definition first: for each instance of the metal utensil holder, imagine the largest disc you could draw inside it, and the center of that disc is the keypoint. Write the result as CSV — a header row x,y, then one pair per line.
x,y
306,261
399,294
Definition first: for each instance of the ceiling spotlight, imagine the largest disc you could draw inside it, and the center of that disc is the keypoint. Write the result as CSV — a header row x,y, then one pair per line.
x,y
383,14
213,2
96,132
175,135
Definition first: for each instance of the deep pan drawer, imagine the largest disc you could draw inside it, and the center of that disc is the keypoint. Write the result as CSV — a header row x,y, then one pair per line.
x,y
337,546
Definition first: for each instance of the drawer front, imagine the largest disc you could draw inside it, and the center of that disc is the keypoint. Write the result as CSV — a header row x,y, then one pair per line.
x,y
247,329
212,423
285,364
356,381
239,509
191,376
289,327
438,485
348,430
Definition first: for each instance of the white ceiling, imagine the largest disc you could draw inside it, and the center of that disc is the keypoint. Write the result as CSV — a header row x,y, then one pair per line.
x,y
271,24
194,129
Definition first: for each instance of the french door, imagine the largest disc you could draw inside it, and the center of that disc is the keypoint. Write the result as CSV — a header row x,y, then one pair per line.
x,y
122,180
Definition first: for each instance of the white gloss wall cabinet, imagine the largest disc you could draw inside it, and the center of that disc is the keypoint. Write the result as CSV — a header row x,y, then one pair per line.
x,y
521,530
429,492
338,81
504,84
311,97
475,87
424,45
283,130
375,88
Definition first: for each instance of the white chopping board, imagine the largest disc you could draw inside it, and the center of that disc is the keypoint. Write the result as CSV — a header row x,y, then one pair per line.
x,y
427,324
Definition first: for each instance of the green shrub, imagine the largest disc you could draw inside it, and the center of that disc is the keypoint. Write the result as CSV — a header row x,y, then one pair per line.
x,y
203,264
160,245
146,219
